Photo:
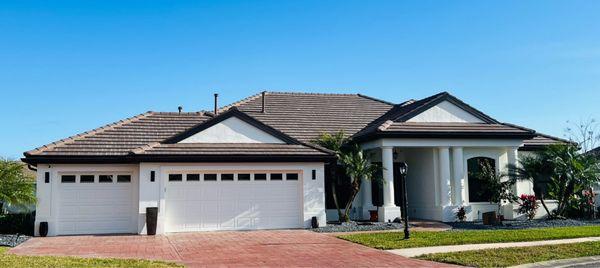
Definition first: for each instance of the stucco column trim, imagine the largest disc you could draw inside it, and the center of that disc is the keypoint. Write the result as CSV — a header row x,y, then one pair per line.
x,y
444,163
458,175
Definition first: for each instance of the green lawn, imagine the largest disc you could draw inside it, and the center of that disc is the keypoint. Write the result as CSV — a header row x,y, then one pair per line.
x,y
11,260
395,240
514,256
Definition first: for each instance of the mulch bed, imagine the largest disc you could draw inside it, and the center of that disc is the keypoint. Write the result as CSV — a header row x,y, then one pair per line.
x,y
358,227
9,240
522,224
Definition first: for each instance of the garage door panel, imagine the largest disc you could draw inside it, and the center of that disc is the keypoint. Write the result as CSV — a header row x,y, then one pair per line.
x,y
233,205
95,208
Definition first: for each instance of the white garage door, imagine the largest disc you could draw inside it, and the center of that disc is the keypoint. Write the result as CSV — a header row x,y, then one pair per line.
x,y
233,201
95,203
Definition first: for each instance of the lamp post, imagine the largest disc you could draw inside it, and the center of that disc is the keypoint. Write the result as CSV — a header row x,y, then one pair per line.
x,y
403,169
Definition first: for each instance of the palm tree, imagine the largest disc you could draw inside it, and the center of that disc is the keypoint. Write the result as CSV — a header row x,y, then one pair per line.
x,y
16,187
333,142
563,167
357,166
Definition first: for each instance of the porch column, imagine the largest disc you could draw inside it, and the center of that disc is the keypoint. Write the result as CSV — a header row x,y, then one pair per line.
x,y
444,160
387,161
367,197
458,176
389,211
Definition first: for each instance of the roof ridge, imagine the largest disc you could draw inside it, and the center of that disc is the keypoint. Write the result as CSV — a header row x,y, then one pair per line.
x,y
375,99
311,93
242,101
201,112
87,133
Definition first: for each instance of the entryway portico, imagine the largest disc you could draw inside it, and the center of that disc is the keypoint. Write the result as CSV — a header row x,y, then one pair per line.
x,y
437,179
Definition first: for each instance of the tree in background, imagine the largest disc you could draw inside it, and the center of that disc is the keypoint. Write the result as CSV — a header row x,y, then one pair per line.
x,y
16,186
585,134
333,142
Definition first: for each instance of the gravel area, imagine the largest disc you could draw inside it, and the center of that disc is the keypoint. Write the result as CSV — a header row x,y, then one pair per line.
x,y
516,224
358,227
12,240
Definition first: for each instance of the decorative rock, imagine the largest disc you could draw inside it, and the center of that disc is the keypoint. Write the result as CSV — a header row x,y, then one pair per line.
x,y
521,224
12,240
358,227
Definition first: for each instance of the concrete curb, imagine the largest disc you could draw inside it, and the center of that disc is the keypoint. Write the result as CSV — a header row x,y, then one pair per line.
x,y
561,263
413,252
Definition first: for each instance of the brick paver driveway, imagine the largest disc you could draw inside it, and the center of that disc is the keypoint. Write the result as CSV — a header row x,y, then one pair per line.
x,y
253,248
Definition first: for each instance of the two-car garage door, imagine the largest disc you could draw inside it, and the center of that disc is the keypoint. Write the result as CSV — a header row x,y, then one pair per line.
x,y
233,200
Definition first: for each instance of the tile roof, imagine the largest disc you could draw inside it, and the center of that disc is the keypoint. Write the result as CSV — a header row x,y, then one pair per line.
x,y
119,138
305,116
412,128
541,140
301,116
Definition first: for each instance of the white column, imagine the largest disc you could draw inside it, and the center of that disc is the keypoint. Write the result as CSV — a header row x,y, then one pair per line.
x,y
367,200
389,211
444,155
387,161
458,176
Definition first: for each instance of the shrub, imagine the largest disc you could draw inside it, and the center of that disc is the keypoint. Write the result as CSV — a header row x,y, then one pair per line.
x,y
528,205
17,223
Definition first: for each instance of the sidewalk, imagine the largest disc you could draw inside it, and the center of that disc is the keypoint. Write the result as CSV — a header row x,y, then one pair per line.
x,y
413,252
593,261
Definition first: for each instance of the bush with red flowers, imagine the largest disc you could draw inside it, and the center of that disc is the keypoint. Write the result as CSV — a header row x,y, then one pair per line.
x,y
528,205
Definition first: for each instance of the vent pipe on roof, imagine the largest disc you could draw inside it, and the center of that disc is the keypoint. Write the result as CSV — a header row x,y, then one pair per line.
x,y
216,103
262,110
179,109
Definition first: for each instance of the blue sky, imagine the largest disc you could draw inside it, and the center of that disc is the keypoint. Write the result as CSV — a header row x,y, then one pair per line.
x,y
70,66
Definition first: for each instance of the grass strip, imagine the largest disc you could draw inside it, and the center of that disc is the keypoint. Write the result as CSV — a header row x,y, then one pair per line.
x,y
17,261
504,257
395,240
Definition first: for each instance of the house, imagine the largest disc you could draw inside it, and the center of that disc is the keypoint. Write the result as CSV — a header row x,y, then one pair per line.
x,y
253,164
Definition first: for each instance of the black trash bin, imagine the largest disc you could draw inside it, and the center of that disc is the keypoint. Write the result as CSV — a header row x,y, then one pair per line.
x,y
43,229
151,219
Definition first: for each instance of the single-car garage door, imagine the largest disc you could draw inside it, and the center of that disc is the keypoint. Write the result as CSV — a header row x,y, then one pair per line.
x,y
95,203
227,200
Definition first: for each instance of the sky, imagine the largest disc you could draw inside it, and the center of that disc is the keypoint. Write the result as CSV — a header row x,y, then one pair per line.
x,y
71,66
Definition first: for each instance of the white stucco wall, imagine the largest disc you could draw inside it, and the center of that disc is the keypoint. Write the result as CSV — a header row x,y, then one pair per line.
x,y
445,112
421,183
232,130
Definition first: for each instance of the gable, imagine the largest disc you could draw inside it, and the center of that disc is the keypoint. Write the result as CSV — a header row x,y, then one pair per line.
x,y
445,112
232,130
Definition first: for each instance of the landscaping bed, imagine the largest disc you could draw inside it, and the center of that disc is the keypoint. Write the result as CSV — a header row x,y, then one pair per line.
x,y
9,240
395,240
358,227
521,224
503,257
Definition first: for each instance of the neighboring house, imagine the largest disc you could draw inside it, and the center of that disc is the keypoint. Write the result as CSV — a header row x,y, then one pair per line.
x,y
253,164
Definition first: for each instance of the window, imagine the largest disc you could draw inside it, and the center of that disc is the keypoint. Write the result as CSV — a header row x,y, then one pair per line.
x,y
243,177
291,176
260,177
86,179
175,177
276,176
123,178
192,177
227,177
105,178
210,177
67,178
476,168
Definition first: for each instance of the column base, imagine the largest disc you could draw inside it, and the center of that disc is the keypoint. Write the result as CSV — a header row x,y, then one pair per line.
x,y
387,214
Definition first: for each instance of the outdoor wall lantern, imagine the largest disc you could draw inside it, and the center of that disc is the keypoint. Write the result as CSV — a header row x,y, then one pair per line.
x,y
403,169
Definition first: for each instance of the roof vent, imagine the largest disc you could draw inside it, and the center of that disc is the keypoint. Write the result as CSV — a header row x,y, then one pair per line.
x,y
180,109
216,104
264,94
